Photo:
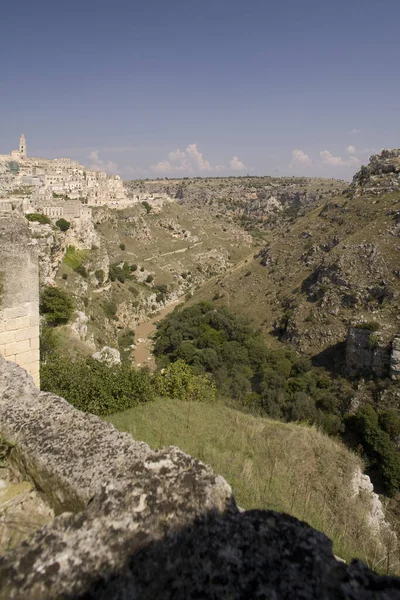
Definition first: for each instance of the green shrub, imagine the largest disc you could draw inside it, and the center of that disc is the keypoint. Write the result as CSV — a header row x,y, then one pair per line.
x,y
56,305
119,273
147,206
38,218
366,427
95,387
149,278
81,271
99,274
133,268
122,246
179,381
110,309
63,224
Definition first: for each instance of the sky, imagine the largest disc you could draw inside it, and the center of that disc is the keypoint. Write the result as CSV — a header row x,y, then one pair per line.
x,y
183,88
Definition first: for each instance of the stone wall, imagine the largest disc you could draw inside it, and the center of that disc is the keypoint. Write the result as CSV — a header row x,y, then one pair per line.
x,y
134,524
19,301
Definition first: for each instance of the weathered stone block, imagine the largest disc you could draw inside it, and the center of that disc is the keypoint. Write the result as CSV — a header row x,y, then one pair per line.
x,y
26,334
7,337
34,343
18,323
17,311
35,320
17,347
25,358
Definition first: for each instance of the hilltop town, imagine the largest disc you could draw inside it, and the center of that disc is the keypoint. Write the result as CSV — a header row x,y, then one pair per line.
x,y
58,188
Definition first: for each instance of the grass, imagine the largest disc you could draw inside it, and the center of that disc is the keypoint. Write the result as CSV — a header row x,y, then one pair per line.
x,y
75,258
271,465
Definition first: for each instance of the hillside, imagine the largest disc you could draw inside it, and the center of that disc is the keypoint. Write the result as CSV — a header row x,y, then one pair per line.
x,y
285,467
335,265
255,203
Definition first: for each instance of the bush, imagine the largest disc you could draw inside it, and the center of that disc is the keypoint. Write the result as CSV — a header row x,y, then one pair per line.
x,y
147,206
38,218
122,246
149,278
95,387
133,268
110,309
99,274
366,427
80,269
56,305
179,381
63,224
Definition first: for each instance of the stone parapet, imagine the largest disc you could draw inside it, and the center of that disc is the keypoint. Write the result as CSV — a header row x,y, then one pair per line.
x,y
140,525
19,295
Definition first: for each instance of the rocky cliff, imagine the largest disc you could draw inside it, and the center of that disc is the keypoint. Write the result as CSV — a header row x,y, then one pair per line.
x,y
133,523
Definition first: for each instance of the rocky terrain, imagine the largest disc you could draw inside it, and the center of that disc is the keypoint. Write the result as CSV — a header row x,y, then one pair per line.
x,y
256,203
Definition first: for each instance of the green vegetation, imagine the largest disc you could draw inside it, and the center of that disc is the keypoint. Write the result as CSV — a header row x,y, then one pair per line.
x,y
376,432
99,274
149,278
94,386
56,305
116,272
147,206
75,258
13,167
110,309
269,465
38,218
125,340
63,224
122,246
179,381
278,383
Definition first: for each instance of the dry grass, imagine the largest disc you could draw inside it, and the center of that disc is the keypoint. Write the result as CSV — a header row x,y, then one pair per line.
x,y
284,467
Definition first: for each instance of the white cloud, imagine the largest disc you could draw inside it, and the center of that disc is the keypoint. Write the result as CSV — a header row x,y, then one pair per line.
x,y
236,164
354,131
298,156
337,161
97,164
192,162
350,149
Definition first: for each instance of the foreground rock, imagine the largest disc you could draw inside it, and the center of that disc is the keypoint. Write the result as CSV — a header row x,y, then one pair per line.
x,y
144,525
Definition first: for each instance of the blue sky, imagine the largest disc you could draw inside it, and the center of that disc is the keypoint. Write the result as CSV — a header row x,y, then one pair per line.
x,y
176,88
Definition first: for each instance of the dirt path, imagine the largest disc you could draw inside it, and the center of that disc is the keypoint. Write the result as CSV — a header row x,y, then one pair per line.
x,y
174,252
142,355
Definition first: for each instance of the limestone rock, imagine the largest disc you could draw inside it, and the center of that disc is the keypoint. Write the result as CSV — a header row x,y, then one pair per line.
x,y
395,359
109,355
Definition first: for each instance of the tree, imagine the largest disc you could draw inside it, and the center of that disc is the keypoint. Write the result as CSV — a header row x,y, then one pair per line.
x,y
63,224
56,305
38,218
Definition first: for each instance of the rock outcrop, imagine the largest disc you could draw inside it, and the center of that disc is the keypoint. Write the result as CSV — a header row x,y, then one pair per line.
x,y
133,523
365,352
395,359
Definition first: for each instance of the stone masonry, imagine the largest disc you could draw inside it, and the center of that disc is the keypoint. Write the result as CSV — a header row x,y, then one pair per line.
x,y
19,295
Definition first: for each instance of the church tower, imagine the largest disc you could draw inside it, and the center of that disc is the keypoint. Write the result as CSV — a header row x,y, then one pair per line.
x,y
22,146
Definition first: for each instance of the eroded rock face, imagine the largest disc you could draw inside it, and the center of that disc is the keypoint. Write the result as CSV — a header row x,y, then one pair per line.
x,y
146,525
395,359
365,353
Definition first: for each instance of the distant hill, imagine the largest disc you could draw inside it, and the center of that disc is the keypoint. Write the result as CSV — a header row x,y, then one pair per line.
x,y
336,264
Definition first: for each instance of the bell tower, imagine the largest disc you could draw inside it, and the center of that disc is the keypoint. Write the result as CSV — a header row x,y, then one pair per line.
x,y
22,146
